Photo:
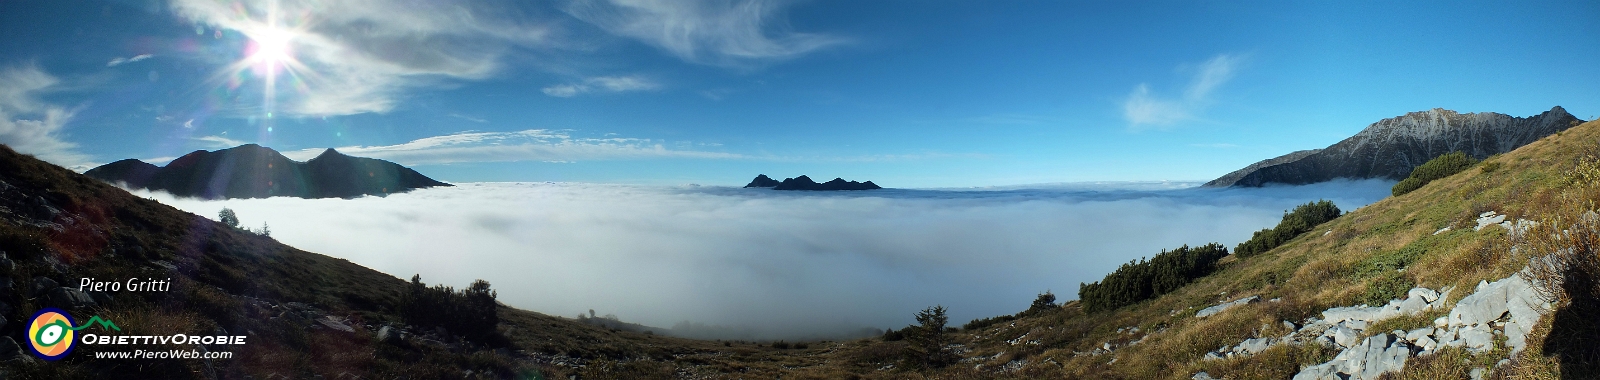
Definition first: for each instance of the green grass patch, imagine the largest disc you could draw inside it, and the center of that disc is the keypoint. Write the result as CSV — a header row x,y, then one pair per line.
x,y
1386,288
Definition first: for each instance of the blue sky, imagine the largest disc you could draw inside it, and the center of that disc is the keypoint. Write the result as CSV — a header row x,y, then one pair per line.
x,y
904,93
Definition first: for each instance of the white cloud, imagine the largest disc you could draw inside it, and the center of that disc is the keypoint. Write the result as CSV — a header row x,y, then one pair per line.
x,y
629,83
783,264
119,60
361,55
528,145
1145,109
216,142
468,118
32,126
716,32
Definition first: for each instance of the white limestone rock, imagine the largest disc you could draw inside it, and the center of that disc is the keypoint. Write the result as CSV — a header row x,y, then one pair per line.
x,y
1343,336
1427,295
1225,306
1477,338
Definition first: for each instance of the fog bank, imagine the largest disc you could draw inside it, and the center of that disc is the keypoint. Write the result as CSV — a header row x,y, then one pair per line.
x,y
770,263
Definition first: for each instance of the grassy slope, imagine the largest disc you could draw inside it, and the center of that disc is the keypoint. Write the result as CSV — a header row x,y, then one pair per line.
x,y
1310,273
1316,271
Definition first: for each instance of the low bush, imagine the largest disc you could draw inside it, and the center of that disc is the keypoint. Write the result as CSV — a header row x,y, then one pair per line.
x,y
470,312
1298,221
1141,280
1439,167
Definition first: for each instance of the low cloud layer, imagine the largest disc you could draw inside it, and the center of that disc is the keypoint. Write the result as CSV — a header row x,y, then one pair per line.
x,y
780,264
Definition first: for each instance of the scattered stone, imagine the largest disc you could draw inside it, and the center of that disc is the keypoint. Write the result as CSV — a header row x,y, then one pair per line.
x,y
1253,346
388,334
1203,376
1225,306
69,298
1477,339
8,348
1343,336
101,298
41,285
1488,219
336,325
1427,295
164,264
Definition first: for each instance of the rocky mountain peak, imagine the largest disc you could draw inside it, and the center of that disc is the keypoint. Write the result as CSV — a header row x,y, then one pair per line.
x,y
1391,147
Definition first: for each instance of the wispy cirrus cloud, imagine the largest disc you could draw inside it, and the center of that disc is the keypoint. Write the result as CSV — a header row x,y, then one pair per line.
x,y
1142,108
609,84
528,145
218,141
720,32
119,60
363,55
32,126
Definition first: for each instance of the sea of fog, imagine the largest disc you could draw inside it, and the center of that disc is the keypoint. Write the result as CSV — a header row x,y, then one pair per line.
x,y
773,264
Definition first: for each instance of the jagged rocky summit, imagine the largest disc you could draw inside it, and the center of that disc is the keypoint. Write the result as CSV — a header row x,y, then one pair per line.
x,y
805,183
762,181
254,171
1390,148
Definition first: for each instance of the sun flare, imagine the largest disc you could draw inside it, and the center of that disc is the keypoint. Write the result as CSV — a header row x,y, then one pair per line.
x,y
271,46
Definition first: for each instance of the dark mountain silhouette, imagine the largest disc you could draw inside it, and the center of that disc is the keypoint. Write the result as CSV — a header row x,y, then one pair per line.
x,y
763,181
1390,148
253,171
805,183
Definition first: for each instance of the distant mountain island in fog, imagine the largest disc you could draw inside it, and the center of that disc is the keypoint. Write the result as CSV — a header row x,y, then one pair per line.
x,y
805,183
254,171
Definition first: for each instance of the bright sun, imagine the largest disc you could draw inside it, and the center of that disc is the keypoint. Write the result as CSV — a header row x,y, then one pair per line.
x,y
271,46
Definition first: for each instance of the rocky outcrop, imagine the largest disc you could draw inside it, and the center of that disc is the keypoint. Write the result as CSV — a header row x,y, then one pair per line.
x,y
253,171
762,181
1206,312
805,183
1390,148
1508,308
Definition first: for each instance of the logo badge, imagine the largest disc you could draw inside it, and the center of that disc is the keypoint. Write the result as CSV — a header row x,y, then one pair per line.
x,y
50,334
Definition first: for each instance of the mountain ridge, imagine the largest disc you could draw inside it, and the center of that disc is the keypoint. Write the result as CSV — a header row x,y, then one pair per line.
x,y
254,171
1391,147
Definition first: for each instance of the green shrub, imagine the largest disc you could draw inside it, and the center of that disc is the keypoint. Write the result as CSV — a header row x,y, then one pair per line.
x,y
470,312
1439,167
1141,280
1298,221
1045,302
928,341
1406,186
986,322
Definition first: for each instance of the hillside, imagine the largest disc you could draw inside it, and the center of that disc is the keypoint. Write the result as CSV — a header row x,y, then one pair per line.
x,y
1390,147
304,314
63,226
1428,238
253,171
